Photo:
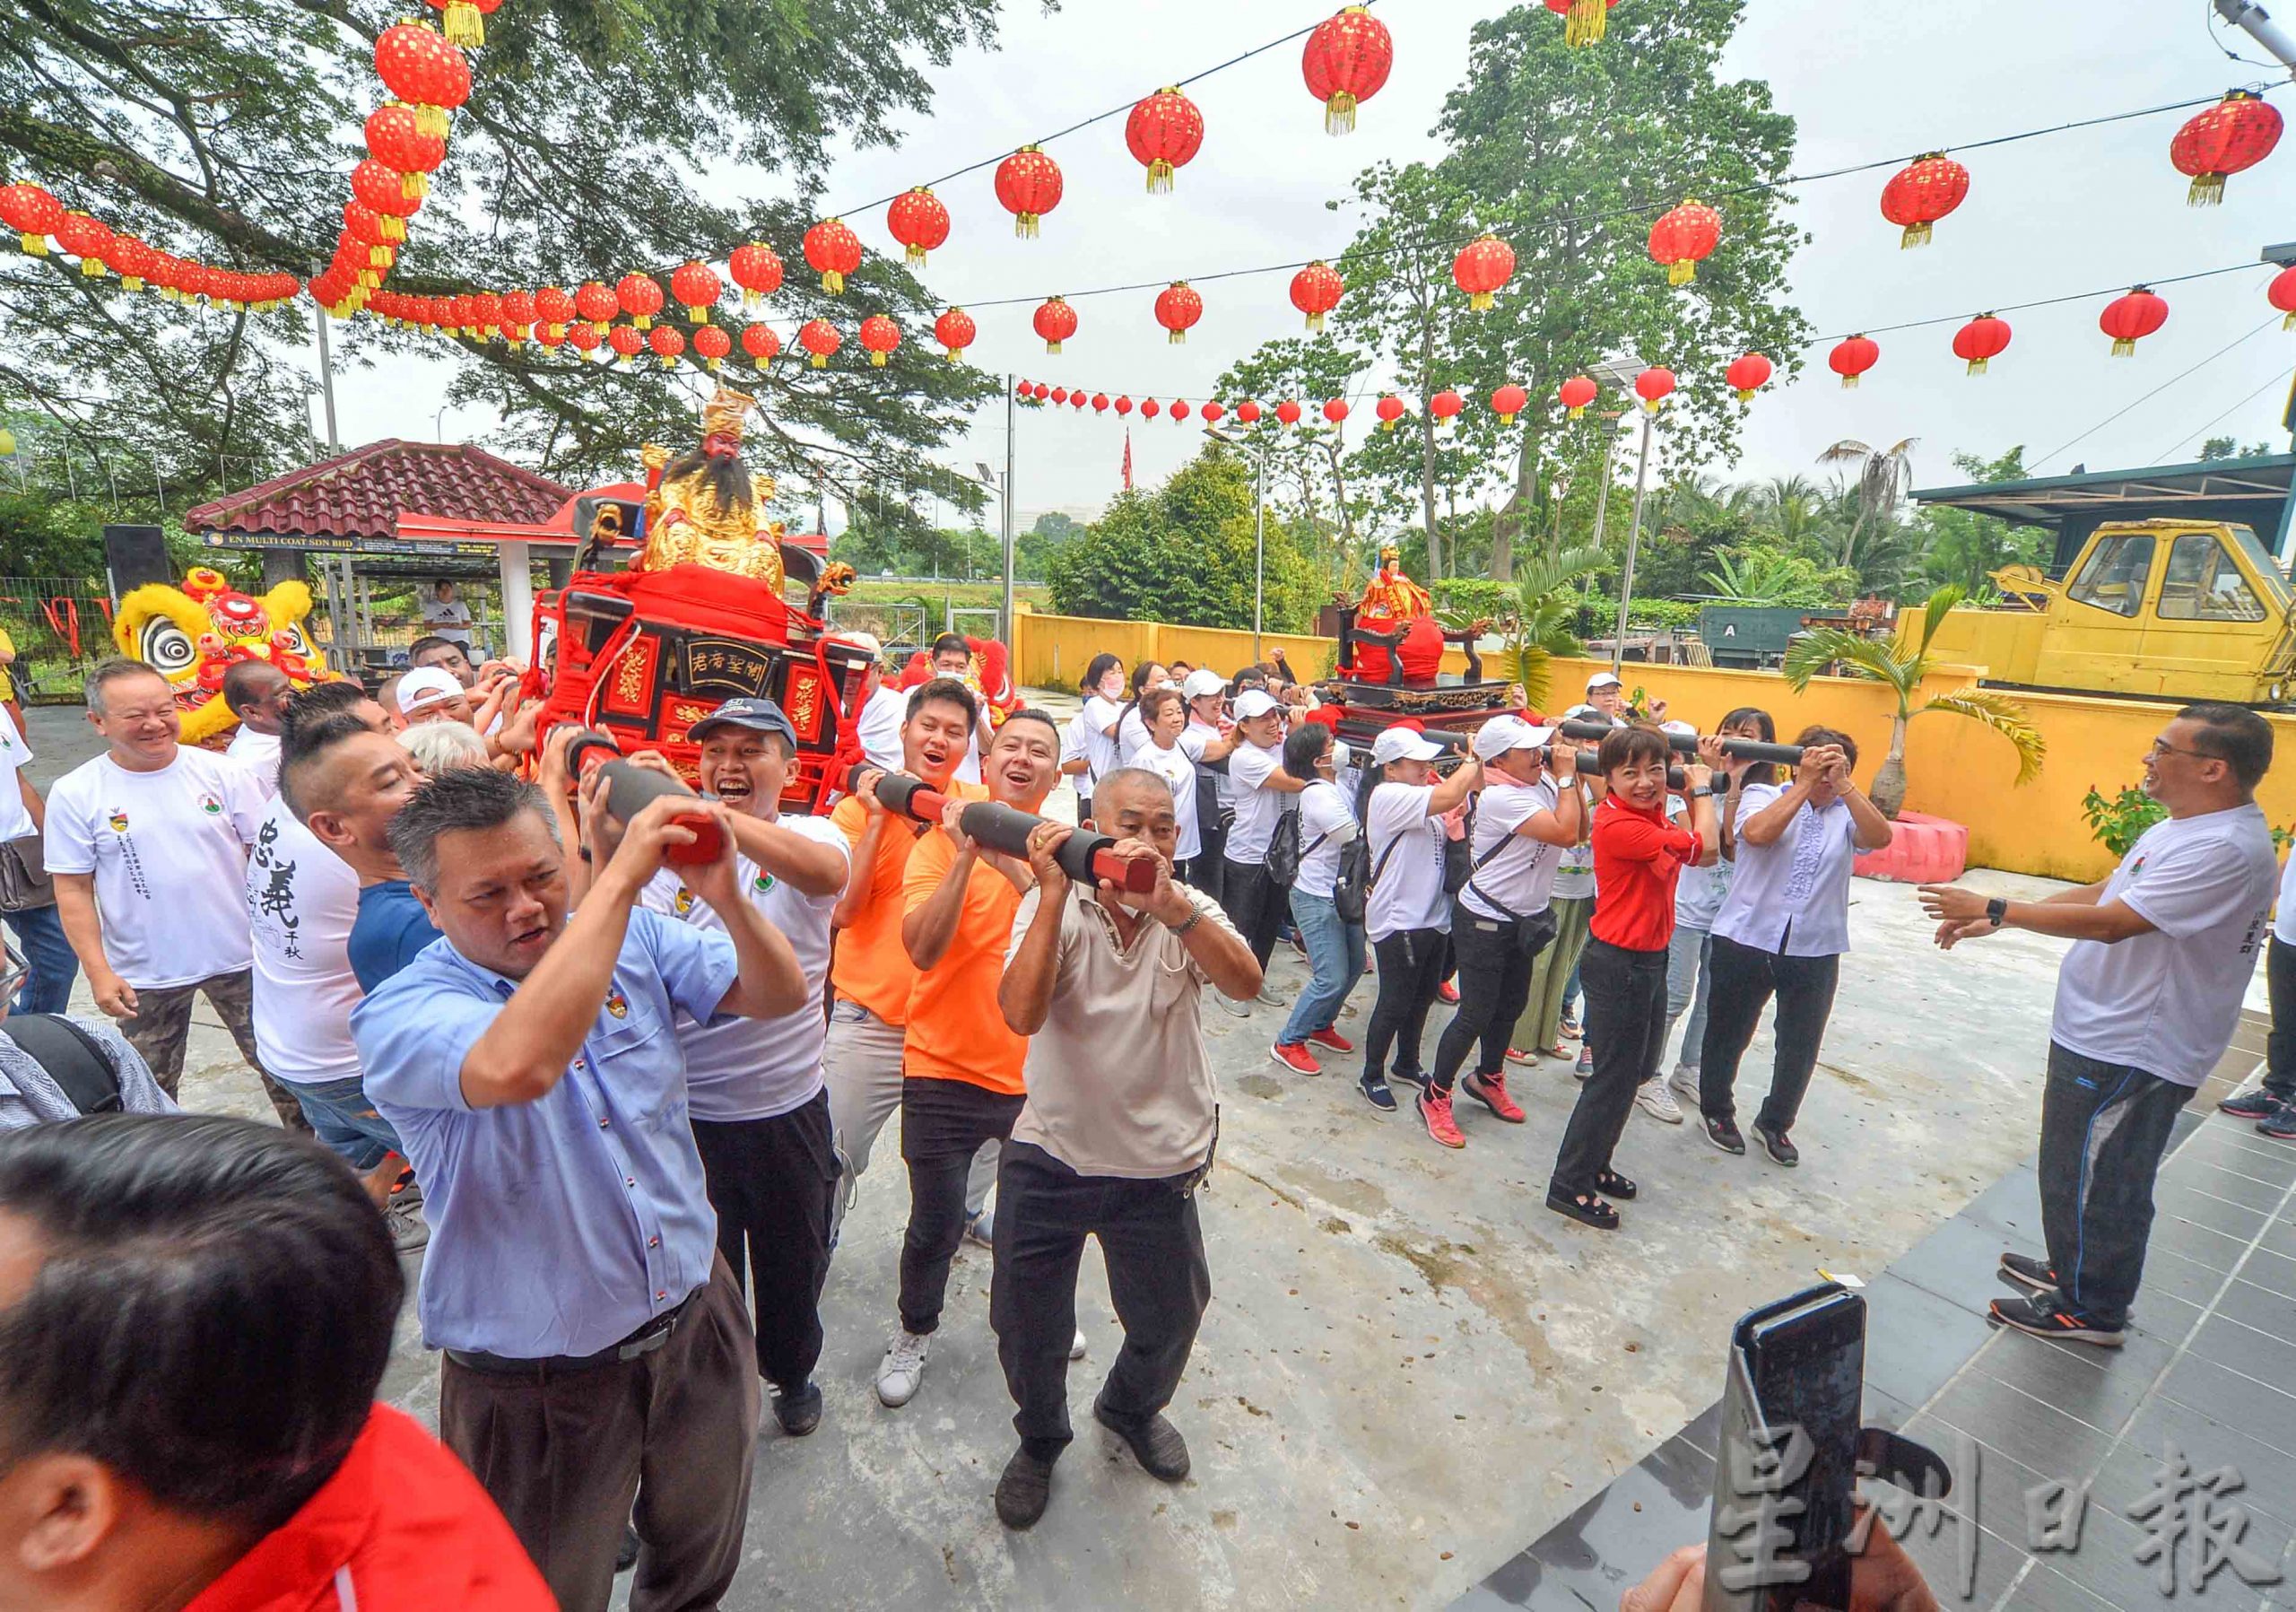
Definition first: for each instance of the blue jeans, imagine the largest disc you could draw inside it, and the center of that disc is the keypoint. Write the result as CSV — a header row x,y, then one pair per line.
x,y
1335,954
342,1117
1688,981
54,965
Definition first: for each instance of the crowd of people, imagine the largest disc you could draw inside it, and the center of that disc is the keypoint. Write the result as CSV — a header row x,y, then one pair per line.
x,y
624,1074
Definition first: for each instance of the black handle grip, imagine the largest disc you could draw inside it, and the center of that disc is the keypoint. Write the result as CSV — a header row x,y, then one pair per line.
x,y
631,789
1744,750
1083,856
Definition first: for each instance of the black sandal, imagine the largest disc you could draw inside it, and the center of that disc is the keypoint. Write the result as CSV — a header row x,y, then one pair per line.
x,y
1615,1184
1587,1211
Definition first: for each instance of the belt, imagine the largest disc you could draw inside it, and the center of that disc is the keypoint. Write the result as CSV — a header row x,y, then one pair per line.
x,y
645,1340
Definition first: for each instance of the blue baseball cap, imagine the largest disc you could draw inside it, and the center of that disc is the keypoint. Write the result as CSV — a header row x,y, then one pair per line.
x,y
757,715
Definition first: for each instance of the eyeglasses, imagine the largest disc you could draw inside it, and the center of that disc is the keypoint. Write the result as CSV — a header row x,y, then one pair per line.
x,y
2159,747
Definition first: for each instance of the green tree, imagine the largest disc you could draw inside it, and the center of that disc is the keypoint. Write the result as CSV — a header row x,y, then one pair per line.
x,y
1184,552
1754,573
1961,548
1307,463
1872,546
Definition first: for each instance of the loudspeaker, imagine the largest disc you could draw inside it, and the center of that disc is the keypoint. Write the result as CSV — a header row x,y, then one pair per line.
x,y
134,555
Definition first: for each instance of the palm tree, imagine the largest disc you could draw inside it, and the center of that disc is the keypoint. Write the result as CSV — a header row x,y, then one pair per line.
x,y
1753,575
1884,476
1546,603
1891,662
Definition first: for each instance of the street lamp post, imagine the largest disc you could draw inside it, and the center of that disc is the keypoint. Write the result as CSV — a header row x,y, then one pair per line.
x,y
1633,544
1620,371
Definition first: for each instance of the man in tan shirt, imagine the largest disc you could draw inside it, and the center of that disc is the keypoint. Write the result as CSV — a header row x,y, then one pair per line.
x,y
1107,1148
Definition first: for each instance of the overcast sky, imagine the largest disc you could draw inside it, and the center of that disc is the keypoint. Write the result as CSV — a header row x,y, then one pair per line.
x,y
2066,213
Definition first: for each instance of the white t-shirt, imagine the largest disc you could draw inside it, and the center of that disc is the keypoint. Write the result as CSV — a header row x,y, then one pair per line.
x,y
301,900
1325,824
1792,895
757,1068
169,852
879,728
449,620
259,752
1099,744
1407,881
1131,736
1249,767
15,817
1521,878
2167,1002
1174,767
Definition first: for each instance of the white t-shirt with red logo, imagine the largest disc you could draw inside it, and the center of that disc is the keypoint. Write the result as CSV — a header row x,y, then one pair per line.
x,y
168,853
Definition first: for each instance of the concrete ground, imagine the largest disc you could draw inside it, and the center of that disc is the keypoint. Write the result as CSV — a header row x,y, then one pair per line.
x,y
1410,1368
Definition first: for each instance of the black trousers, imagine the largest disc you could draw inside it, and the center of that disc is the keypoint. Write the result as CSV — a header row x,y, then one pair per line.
x,y
2104,1127
1744,979
1212,820
2280,1047
1152,1245
1494,984
1255,903
1412,964
1626,1029
772,1182
942,1124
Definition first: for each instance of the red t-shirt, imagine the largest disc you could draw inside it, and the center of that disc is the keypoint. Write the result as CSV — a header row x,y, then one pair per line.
x,y
401,1524
1636,857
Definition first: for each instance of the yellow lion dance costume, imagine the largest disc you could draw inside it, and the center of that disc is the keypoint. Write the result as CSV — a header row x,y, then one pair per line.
x,y
191,635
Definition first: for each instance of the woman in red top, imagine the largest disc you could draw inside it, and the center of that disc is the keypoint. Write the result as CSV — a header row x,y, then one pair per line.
x,y
1638,854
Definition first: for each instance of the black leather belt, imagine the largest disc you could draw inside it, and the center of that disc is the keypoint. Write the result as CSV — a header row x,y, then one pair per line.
x,y
645,1340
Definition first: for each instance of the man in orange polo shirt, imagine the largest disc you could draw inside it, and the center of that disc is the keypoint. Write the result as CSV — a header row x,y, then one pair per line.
x,y
962,1086
870,972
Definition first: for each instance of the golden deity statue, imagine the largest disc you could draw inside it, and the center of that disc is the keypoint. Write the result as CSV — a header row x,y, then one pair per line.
x,y
1391,595
708,507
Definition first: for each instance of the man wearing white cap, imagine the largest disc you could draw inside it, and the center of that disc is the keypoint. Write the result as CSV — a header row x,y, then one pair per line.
x,y
430,694
1499,921
1253,901
882,709
1605,695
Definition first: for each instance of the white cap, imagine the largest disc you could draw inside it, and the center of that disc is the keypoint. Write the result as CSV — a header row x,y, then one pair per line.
x,y
1254,702
426,685
1400,743
863,640
1204,680
1501,735
1602,680
1687,729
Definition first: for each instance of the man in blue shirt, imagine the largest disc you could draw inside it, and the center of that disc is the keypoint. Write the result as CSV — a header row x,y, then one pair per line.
x,y
530,1064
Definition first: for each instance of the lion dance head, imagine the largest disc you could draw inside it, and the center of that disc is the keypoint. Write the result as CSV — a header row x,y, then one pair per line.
x,y
191,635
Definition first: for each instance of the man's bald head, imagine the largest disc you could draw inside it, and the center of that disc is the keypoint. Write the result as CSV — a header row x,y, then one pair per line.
x,y
1133,803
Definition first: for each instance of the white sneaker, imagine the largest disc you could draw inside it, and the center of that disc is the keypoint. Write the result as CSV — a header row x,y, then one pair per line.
x,y
1684,1079
1228,1004
899,1378
1268,999
1076,1348
1655,1099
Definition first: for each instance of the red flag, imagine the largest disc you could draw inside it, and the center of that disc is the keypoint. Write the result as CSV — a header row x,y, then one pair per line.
x,y
1127,458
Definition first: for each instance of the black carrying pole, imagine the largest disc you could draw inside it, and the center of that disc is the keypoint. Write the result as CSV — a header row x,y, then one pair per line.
x,y
1743,750
631,789
1084,855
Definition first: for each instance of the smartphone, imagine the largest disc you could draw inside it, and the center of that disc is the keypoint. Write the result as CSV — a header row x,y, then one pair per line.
x,y
1784,1486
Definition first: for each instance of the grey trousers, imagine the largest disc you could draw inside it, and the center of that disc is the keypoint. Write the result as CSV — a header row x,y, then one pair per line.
x,y
862,1066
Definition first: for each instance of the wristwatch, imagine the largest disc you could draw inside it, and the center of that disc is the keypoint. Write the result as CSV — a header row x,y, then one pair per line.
x,y
1995,910
1698,792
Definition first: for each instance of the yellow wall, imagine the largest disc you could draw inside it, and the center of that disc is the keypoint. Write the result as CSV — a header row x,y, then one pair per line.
x,y
1956,768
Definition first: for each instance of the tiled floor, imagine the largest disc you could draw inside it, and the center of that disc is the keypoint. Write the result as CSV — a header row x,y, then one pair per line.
x,y
2209,1367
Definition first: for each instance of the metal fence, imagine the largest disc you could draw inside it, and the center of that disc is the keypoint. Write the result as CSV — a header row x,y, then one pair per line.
x,y
60,627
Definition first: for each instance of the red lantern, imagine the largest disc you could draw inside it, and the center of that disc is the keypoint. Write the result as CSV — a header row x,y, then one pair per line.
x,y
549,335
1921,193
1481,268
1163,132
1028,184
395,138
954,330
1124,404
820,338
626,339
757,270
879,335
86,238
1654,386
1316,290
760,343
1179,412
697,288
640,297
1389,411
834,252
378,187
2131,317
1444,405
1749,374
1099,403
1150,408
917,220
1983,338
1055,321
517,310
1288,412
426,72
1583,20
582,338
1852,356
1211,412
1177,307
1060,394
1040,391
32,214
466,19
667,343
1345,61
2237,133
595,302
2281,295
1508,401
1076,399
1247,413
1683,239
131,260
553,310
1576,394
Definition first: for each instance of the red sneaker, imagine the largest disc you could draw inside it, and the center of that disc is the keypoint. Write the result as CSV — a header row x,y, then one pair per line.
x,y
1446,992
1491,1091
1295,1057
1528,1057
1331,1037
1435,1111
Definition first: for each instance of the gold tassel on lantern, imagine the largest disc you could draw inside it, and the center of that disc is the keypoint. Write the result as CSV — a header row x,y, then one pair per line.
x,y
431,120
1977,367
1052,347
832,283
414,185
751,299
2207,190
1848,381
1583,24
464,24
2124,346
1916,235
1024,225
669,362
36,245
1682,272
394,228
1315,321
1480,300
876,361
915,254
1339,114
1178,337
131,282
1159,178
92,268
821,361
